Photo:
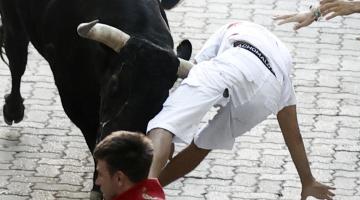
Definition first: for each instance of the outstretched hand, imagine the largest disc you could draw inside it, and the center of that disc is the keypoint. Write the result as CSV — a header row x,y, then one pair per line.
x,y
301,19
317,190
336,8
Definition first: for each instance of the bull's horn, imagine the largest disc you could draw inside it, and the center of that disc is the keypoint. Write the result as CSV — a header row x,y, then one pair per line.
x,y
108,35
184,68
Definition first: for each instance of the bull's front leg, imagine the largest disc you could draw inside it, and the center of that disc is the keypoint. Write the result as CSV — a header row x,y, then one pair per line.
x,y
15,42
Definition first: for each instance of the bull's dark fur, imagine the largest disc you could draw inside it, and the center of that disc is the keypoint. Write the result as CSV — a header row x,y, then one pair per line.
x,y
97,86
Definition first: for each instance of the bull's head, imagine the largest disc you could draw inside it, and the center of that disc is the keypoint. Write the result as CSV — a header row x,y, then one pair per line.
x,y
138,80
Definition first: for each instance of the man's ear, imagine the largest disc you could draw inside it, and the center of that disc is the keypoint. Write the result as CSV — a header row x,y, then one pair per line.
x,y
120,178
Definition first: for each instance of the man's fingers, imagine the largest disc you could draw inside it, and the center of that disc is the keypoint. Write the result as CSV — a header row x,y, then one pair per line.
x,y
331,194
286,21
303,24
325,12
331,188
329,198
328,9
328,5
326,1
279,17
332,16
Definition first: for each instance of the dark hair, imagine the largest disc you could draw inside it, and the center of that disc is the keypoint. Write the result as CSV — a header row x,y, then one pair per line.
x,y
128,152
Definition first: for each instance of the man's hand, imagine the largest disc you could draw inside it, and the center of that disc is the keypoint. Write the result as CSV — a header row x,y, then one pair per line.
x,y
317,190
334,8
301,19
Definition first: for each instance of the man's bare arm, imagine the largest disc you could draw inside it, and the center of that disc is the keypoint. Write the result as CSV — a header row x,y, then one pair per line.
x,y
287,119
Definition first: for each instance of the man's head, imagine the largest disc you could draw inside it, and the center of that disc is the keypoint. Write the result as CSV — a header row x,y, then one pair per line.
x,y
123,159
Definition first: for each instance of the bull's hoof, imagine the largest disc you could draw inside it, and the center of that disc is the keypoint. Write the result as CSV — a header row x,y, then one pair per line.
x,y
13,110
94,195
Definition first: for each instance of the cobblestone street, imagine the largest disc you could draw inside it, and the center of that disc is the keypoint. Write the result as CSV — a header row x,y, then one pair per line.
x,y
45,156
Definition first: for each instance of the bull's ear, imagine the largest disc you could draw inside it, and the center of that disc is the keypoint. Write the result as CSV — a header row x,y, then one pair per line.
x,y
168,4
184,50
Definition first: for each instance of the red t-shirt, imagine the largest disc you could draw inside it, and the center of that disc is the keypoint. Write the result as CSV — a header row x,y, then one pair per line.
x,y
149,189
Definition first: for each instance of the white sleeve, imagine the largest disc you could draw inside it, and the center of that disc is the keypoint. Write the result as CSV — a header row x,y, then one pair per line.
x,y
288,96
211,46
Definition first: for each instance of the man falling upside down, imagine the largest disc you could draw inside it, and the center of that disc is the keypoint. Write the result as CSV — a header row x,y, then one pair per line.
x,y
245,70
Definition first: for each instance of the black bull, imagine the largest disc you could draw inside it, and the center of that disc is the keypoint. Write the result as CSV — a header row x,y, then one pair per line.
x,y
101,90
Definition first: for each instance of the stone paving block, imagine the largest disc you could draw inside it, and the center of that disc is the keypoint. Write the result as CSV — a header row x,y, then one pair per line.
x,y
348,87
6,157
272,161
33,179
269,186
279,177
256,195
290,193
198,174
333,166
37,116
77,169
232,188
72,195
41,194
217,196
4,180
13,197
23,148
346,157
30,140
291,184
244,179
348,148
37,155
71,178
19,188
44,131
56,187
351,197
248,154
350,110
52,147
323,175
322,149
44,108
76,153
87,185
330,38
185,197
47,171
58,161
25,164
258,170
193,190
221,172
5,166
344,192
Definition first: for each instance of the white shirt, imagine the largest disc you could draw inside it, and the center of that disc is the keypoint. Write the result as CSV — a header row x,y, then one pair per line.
x,y
257,35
